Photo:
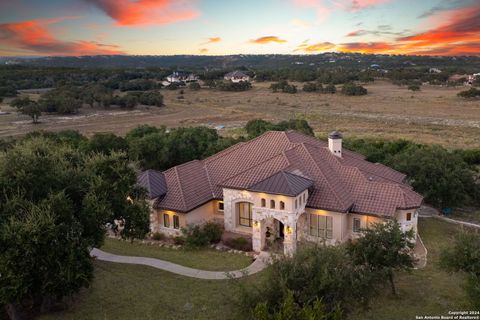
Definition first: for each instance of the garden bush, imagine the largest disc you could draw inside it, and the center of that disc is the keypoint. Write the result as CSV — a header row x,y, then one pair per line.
x,y
239,243
157,236
197,236
214,231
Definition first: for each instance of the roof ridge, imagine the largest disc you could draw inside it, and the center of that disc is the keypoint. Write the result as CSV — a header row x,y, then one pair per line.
x,y
181,188
319,169
256,165
209,180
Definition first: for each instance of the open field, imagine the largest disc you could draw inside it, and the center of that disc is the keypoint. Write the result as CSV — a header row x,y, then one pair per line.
x,y
433,115
139,292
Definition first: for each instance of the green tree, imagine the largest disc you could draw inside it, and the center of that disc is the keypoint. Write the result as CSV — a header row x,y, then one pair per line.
x,y
28,107
310,87
257,127
464,256
441,176
384,249
105,143
470,93
414,87
54,205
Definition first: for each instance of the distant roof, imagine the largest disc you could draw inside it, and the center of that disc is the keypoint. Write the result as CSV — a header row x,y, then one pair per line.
x,y
236,74
283,183
341,184
154,182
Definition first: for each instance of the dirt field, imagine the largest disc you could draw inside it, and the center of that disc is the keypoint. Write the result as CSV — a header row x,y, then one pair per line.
x,y
433,115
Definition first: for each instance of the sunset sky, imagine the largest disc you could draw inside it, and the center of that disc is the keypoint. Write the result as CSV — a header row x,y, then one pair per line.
x,y
220,27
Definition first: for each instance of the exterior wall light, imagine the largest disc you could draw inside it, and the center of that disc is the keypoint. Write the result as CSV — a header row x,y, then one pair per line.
x,y
129,199
288,230
256,224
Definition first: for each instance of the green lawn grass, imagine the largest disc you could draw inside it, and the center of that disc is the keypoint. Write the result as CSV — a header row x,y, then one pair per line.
x,y
204,259
122,291
428,291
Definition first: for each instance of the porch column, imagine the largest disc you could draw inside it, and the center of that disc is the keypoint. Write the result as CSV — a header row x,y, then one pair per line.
x,y
290,240
258,235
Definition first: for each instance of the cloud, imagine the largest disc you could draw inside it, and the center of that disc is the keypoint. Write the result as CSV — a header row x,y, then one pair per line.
x,y
146,12
33,37
381,31
318,47
298,23
461,31
324,7
267,40
213,40
203,50
367,47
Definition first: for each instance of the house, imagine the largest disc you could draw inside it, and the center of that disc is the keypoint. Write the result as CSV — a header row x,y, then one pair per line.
x,y
180,76
282,187
236,76
434,70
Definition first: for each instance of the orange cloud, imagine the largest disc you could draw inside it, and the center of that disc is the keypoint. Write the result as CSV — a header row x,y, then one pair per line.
x,y
367,47
213,40
318,47
146,12
267,40
33,37
203,50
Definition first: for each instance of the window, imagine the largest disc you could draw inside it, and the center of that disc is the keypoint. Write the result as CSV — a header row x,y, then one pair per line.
x,y
296,203
220,206
244,214
272,204
409,216
166,220
304,197
264,203
282,205
176,222
356,225
321,226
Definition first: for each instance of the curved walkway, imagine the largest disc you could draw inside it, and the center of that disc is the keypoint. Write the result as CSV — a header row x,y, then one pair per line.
x,y
258,265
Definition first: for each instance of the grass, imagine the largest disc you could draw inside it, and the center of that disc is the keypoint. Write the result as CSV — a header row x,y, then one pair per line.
x,y
204,259
466,214
137,292
428,291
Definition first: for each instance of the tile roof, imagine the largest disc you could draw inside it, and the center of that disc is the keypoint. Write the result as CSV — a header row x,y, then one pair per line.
x,y
284,183
273,160
154,182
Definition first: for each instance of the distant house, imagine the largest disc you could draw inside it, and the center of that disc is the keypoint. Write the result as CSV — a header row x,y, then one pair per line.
x,y
282,187
180,76
434,70
472,78
237,76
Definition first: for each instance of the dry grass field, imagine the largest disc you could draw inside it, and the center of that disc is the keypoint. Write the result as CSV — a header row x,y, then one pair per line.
x,y
433,115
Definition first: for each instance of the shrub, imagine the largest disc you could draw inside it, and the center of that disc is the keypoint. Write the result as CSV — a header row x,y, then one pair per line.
x,y
414,87
179,241
157,236
470,93
234,86
199,236
351,89
194,236
195,86
310,87
290,89
330,88
239,243
214,231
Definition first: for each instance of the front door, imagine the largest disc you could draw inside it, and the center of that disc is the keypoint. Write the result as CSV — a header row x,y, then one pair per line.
x,y
280,230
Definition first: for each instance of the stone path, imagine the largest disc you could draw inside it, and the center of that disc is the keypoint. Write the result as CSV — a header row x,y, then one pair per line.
x,y
258,265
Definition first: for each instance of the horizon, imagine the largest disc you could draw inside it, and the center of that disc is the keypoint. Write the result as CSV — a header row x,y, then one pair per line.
x,y
206,27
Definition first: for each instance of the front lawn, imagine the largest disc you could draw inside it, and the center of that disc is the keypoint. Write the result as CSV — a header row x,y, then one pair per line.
x,y
122,291
204,259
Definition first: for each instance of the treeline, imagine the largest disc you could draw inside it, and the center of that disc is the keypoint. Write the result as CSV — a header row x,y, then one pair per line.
x,y
446,178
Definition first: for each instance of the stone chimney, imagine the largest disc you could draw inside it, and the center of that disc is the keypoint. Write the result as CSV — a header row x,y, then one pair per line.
x,y
335,143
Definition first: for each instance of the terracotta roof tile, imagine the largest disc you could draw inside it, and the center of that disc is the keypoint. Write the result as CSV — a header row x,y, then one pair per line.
x,y
342,184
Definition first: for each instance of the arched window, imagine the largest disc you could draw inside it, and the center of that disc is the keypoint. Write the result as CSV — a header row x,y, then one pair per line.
x,y
272,204
264,203
282,205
